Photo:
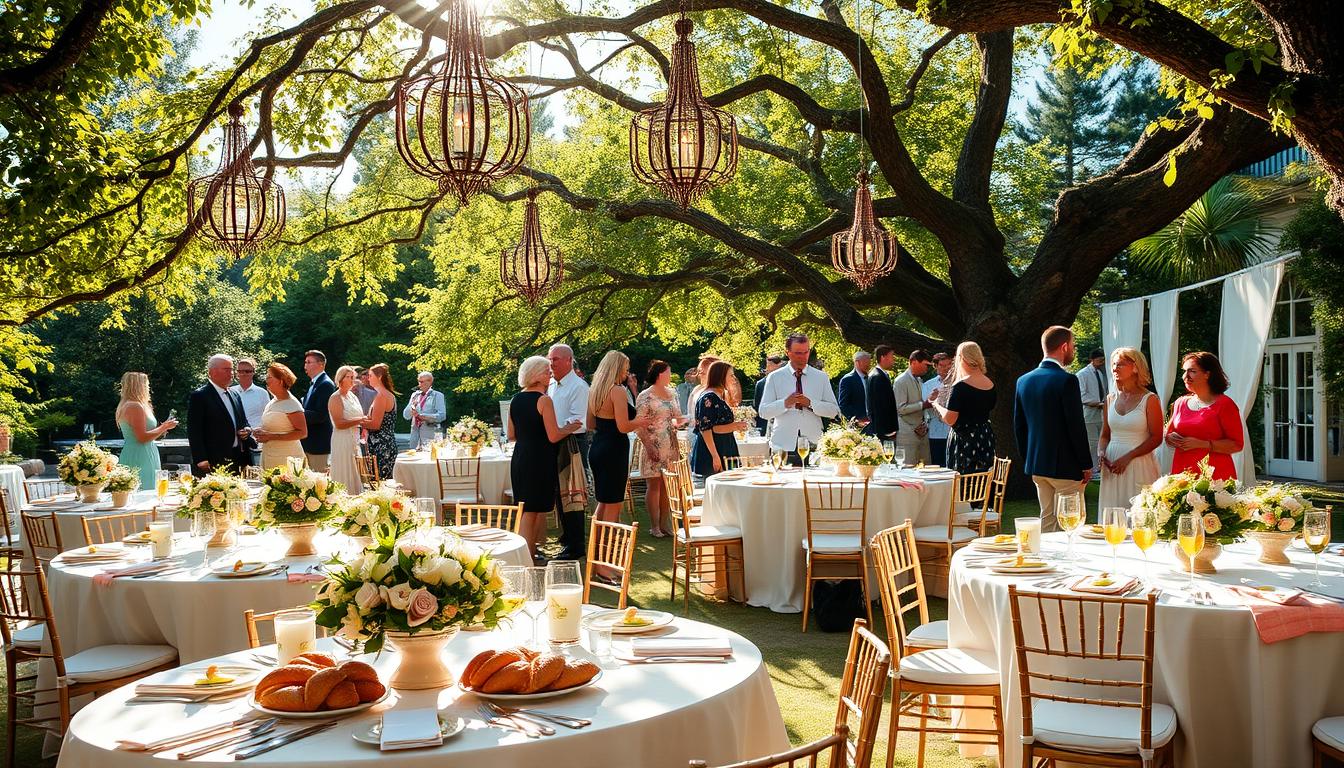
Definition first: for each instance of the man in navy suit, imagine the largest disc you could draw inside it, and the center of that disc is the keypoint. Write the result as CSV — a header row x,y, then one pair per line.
x,y
853,397
317,445
1048,425
217,428
882,421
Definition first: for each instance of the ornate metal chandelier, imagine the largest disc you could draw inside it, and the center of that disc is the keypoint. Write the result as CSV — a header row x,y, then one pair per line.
x,y
531,269
236,208
684,147
458,124
865,251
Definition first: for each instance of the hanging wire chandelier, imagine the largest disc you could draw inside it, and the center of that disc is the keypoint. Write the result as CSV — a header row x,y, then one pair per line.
x,y
685,146
458,124
236,208
531,269
865,251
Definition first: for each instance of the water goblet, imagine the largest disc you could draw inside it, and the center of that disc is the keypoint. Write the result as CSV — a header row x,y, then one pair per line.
x,y
1316,534
1069,515
534,598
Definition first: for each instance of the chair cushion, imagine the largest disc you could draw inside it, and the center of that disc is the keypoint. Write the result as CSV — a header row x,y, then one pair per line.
x,y
463,498
1097,728
836,543
703,533
1330,730
950,666
108,662
30,636
938,533
931,635
974,517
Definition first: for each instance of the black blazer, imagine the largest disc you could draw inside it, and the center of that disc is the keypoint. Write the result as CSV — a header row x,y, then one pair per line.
x,y
318,417
211,431
883,421
852,397
759,390
1048,424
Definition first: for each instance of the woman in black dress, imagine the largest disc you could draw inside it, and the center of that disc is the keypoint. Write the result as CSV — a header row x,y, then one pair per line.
x,y
610,419
533,430
714,423
381,421
970,438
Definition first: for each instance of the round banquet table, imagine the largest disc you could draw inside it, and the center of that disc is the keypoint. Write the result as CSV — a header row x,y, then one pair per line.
x,y
70,512
1238,701
647,715
419,474
11,479
773,521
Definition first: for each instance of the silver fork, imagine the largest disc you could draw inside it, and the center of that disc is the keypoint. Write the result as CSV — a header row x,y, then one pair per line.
x,y
522,726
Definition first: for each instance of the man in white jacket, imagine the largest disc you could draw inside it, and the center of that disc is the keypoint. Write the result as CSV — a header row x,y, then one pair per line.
x,y
426,410
796,398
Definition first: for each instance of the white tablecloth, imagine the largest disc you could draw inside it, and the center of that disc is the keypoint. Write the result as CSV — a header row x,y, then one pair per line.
x,y
11,479
70,514
419,474
773,520
1238,701
650,716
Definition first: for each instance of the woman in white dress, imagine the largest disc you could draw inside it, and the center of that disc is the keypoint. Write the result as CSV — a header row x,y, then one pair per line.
x,y
346,415
1131,429
282,422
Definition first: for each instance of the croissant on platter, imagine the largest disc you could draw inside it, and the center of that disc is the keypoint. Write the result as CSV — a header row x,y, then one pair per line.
x,y
315,682
522,670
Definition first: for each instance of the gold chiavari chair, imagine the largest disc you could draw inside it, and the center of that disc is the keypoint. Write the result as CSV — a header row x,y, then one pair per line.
x,y
742,462
901,585
1056,636
828,752
989,518
861,690
683,469
921,677
698,549
942,540
251,619
11,545
611,545
41,536
459,482
104,529
837,520
505,516
44,488
369,476
972,493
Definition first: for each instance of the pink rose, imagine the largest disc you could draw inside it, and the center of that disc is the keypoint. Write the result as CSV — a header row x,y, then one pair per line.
x,y
1271,521
1286,524
422,608
296,505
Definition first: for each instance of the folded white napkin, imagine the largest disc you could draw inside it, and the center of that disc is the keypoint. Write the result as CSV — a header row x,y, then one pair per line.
x,y
680,646
410,728
106,577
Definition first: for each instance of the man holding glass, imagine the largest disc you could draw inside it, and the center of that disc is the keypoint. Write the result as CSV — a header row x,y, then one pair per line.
x,y
796,398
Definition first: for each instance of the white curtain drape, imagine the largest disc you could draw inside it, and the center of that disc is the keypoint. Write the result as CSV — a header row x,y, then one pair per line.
x,y
1121,326
1248,307
1162,356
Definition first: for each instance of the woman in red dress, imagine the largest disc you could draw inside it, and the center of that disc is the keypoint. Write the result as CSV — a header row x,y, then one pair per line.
x,y
1206,422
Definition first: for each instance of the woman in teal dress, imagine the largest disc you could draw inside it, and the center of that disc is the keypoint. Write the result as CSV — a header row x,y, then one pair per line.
x,y
139,428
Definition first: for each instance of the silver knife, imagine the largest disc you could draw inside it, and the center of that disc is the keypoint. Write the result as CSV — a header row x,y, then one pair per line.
x,y
263,727
196,735
280,741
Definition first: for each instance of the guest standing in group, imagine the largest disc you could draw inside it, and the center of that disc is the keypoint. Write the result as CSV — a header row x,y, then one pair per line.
x,y
317,442
1205,424
366,393
937,390
534,431
911,407
853,395
1048,425
714,423
732,389
425,409
796,398
772,364
253,396
970,441
346,416
611,418
283,422
381,422
882,416
1131,430
658,444
217,427
569,394
702,369
1093,385
139,428
689,380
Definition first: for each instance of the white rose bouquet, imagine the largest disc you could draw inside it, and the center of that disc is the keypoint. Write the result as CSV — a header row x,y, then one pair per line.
x,y
1277,508
868,453
123,478
290,496
383,505
469,431
839,442
212,492
86,464
409,585
1224,511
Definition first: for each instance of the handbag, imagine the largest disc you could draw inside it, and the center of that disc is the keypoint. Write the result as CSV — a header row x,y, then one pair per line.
x,y
573,481
837,603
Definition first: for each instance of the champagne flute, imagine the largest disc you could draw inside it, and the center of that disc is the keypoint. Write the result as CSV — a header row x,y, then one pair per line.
x,y
161,480
1116,527
1069,515
804,448
1190,538
1143,527
534,598
1316,534
514,593
888,450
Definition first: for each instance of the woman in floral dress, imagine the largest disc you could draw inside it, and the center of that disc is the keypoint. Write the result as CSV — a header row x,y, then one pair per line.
x,y
382,420
658,443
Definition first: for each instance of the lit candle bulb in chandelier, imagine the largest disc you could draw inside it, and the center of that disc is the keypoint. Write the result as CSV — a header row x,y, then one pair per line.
x,y
460,128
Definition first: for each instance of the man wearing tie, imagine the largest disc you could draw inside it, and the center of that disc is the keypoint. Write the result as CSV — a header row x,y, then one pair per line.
x,y
317,445
853,398
1092,385
911,405
426,410
217,427
796,398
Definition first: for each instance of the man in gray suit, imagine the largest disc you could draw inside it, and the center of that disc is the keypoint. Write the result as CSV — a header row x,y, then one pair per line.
x,y
1092,383
910,407
426,410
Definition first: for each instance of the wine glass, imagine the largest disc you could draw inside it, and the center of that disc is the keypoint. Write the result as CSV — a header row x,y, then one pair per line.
x,y
203,529
1190,538
888,450
898,456
533,589
1316,534
804,448
1115,526
564,601
161,480
778,459
1069,515
1143,527
514,593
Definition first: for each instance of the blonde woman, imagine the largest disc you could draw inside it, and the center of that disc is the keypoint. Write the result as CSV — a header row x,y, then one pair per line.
x,y
346,415
610,419
139,428
970,438
1131,429
282,422
534,432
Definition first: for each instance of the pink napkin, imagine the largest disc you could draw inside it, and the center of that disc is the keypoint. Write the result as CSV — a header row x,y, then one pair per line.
x,y
1283,617
105,578
303,578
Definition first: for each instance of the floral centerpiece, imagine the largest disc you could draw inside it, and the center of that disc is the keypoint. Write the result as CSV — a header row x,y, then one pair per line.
x,y
868,455
383,505
838,444
415,592
470,432
212,494
87,467
121,481
1223,511
296,500
1277,512
745,414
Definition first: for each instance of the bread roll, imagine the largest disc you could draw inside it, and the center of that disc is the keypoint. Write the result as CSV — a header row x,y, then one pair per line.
x,y
342,696
319,686
513,678
287,698
314,659
576,672
469,672
369,691
490,666
546,669
358,671
288,675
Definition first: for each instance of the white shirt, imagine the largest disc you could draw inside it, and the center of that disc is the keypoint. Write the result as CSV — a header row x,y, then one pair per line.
x,y
938,428
254,401
569,395
1091,382
791,423
228,408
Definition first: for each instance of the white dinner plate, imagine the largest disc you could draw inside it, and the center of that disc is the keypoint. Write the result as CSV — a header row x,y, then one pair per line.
x,y
530,696
322,713
141,537
612,620
1008,569
988,542
185,678
448,727
769,482
247,570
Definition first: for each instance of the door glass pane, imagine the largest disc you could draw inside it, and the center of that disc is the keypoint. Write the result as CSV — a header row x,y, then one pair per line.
x,y
1305,415
1302,322
1279,409
1282,327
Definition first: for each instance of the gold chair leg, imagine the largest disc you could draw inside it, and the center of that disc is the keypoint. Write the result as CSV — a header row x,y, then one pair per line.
x,y
807,594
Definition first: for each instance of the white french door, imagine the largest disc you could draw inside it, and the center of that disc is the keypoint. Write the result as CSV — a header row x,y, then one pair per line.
x,y
1291,403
